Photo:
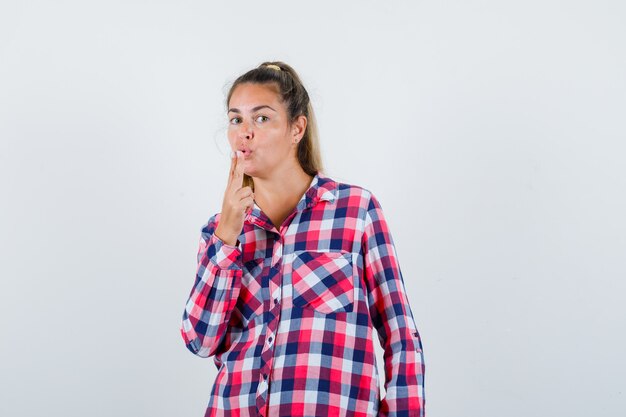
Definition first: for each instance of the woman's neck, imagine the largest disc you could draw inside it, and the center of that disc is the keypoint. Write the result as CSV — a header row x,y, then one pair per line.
x,y
279,194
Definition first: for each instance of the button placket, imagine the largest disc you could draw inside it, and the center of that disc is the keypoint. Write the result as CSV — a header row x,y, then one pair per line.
x,y
275,283
276,280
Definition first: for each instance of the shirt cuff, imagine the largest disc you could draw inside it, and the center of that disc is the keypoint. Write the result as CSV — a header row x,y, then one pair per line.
x,y
225,255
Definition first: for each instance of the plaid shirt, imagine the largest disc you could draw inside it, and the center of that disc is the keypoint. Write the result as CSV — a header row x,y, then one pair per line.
x,y
288,313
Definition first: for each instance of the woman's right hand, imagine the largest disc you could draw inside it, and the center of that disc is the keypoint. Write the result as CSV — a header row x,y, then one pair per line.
x,y
238,200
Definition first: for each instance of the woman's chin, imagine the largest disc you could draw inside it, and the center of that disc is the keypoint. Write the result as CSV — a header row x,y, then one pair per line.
x,y
250,171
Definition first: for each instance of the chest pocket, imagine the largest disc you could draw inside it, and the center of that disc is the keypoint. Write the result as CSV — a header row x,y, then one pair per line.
x,y
323,281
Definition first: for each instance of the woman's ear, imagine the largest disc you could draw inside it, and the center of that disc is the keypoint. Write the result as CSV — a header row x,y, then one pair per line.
x,y
298,128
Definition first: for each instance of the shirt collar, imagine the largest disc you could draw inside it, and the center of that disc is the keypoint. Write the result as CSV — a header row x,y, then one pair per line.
x,y
322,188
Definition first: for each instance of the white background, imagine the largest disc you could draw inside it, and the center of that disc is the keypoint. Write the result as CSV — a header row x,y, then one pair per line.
x,y
492,132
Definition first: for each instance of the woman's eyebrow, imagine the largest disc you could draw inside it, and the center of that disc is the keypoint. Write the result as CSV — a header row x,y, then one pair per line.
x,y
234,110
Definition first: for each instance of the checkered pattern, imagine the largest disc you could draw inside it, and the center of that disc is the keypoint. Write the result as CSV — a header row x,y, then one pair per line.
x,y
288,313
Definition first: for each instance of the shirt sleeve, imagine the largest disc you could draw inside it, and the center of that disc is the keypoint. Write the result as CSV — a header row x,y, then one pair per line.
x,y
214,293
392,316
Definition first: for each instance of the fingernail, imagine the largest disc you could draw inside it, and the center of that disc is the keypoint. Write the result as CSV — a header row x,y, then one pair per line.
x,y
239,153
232,153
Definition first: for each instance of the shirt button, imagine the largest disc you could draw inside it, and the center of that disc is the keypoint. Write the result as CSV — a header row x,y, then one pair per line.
x,y
275,300
264,376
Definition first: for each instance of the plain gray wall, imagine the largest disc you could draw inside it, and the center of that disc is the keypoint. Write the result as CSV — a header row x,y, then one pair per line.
x,y
492,133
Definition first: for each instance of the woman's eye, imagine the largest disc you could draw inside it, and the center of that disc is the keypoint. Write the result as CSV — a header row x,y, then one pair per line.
x,y
234,120
262,118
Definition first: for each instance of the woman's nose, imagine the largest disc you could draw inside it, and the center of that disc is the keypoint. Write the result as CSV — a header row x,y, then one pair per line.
x,y
245,130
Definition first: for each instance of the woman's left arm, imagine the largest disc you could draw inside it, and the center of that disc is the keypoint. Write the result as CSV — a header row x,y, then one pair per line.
x,y
393,319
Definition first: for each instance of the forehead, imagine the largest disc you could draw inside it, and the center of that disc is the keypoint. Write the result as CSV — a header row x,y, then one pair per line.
x,y
248,95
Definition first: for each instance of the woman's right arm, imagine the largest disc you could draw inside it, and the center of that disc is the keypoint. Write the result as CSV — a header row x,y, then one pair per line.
x,y
214,293
220,267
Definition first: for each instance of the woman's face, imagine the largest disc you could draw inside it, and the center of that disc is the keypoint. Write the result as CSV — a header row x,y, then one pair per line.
x,y
259,126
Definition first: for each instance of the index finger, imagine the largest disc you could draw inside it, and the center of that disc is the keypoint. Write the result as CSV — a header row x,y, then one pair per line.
x,y
231,171
237,179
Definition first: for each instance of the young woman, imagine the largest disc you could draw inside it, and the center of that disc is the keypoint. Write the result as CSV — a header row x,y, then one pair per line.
x,y
294,274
